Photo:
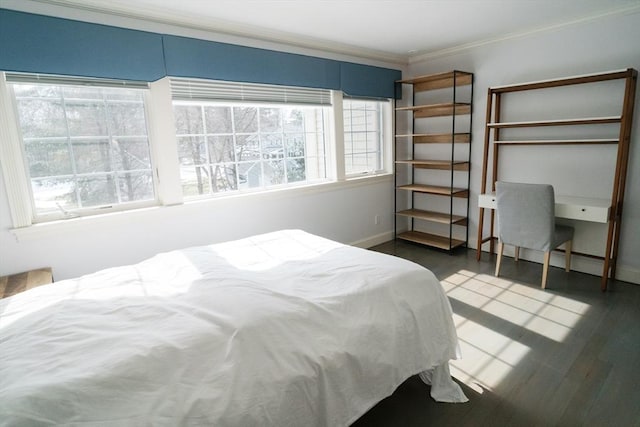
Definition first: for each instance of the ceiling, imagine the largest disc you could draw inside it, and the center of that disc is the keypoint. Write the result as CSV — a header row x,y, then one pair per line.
x,y
390,30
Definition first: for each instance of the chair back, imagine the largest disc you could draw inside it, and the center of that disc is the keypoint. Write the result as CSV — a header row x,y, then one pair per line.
x,y
526,214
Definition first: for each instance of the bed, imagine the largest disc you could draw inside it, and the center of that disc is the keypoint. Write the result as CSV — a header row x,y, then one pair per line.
x,y
280,329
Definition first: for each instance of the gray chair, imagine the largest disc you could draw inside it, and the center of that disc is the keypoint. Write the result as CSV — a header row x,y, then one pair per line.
x,y
526,218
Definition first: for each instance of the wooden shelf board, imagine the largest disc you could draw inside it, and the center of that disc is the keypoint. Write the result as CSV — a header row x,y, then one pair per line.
x,y
437,138
438,110
434,189
439,217
437,164
439,81
428,239
559,142
562,122
574,80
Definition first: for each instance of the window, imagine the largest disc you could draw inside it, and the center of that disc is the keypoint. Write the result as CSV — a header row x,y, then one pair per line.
x,y
75,146
231,138
364,142
235,147
85,147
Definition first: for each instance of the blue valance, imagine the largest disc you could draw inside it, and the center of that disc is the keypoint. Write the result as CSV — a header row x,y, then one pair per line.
x,y
43,44
186,57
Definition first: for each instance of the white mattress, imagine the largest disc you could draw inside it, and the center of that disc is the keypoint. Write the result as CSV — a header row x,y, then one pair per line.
x,y
281,329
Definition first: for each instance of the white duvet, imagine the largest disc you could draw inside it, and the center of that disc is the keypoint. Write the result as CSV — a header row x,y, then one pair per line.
x,y
281,329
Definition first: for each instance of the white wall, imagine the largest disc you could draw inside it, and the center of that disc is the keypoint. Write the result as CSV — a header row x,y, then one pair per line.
x,y
610,43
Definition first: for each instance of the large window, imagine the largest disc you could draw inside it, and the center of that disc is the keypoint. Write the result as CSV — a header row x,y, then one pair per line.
x,y
364,143
78,146
85,147
229,147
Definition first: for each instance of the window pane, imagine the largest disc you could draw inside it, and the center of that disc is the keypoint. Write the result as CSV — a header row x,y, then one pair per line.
x,y
249,146
270,119
293,120
122,95
218,119
131,154
295,145
195,180
97,190
41,118
54,194
221,149
48,158
224,177
24,91
272,147
188,119
135,186
86,119
192,150
250,175
92,155
274,172
80,144
246,119
296,170
127,119
363,133
82,92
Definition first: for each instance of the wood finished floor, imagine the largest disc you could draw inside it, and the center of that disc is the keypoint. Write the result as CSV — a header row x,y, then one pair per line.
x,y
566,356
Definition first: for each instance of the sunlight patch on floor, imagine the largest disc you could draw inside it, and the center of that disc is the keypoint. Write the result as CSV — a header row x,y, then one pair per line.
x,y
491,348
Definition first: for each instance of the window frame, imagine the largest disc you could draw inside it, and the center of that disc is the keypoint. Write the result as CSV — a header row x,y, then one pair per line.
x,y
22,176
385,153
324,122
165,165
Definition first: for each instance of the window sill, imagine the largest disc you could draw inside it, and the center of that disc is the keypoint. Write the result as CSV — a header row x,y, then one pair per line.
x,y
114,219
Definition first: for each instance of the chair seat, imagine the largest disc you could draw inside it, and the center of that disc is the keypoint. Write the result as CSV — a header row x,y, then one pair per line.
x,y
526,218
562,234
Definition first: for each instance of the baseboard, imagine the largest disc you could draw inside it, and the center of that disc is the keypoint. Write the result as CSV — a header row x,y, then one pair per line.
x,y
628,274
373,240
578,263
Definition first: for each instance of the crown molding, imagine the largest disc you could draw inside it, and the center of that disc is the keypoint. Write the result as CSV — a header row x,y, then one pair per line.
x,y
426,56
216,30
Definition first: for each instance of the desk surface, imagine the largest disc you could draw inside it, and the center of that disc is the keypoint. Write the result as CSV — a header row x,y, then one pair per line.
x,y
570,207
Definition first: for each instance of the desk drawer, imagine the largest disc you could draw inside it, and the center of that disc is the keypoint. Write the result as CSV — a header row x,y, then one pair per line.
x,y
487,201
582,212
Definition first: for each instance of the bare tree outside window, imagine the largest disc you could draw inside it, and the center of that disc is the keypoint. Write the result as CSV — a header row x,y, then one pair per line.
x,y
85,146
226,147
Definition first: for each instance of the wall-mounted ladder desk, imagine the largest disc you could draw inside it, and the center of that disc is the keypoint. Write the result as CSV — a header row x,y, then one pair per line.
x,y
607,211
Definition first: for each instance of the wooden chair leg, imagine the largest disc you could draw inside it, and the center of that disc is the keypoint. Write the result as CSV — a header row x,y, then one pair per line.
x,y
517,254
500,249
567,256
545,268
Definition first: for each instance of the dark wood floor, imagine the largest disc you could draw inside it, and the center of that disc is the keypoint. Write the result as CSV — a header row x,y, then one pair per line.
x,y
566,356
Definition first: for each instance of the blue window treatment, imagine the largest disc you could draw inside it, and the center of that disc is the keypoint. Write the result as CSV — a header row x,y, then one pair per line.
x,y
42,44
186,57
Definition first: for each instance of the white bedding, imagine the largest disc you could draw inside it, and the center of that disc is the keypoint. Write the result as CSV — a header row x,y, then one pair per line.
x,y
281,329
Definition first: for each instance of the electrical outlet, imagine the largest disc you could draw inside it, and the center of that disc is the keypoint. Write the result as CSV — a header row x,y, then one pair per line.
x,y
376,220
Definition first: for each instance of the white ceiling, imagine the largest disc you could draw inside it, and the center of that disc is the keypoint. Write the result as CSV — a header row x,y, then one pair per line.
x,y
393,30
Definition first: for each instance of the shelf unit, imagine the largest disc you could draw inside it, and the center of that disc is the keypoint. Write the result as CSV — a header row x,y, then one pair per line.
x,y
424,173
496,110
